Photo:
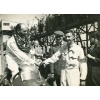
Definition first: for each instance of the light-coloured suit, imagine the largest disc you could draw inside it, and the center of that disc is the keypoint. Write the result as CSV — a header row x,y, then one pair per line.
x,y
74,66
16,58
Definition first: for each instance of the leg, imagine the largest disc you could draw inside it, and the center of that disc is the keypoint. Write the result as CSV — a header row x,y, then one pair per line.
x,y
57,79
12,66
63,78
58,82
73,77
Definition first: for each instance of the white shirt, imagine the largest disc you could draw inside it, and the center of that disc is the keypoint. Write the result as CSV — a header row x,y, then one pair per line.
x,y
73,58
14,53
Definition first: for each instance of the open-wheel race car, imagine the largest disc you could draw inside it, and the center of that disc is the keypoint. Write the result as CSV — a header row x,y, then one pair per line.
x,y
17,80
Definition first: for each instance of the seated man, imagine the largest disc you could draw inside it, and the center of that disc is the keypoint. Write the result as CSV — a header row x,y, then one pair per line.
x,y
17,53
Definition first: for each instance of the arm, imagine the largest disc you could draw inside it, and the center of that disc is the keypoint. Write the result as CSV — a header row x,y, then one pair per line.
x,y
20,54
83,65
94,58
53,59
51,65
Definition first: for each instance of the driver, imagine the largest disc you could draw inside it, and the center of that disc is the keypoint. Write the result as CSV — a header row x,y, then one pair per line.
x,y
17,52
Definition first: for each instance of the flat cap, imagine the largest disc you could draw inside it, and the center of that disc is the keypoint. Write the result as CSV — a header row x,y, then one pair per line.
x,y
58,33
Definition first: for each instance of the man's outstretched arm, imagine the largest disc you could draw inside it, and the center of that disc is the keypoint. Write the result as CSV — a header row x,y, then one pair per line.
x,y
53,59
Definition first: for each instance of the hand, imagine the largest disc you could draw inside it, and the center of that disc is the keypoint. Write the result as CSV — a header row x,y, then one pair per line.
x,y
51,76
44,65
44,58
31,61
83,83
38,55
37,64
89,56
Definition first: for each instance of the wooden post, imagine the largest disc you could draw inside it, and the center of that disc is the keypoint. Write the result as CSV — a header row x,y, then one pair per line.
x,y
99,26
87,39
2,54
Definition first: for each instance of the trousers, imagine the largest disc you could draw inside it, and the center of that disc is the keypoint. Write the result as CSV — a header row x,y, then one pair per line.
x,y
70,77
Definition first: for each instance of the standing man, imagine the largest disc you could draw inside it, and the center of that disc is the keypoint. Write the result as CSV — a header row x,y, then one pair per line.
x,y
74,67
55,68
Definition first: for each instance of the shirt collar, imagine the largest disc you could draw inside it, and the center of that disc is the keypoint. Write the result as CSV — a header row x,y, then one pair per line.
x,y
72,47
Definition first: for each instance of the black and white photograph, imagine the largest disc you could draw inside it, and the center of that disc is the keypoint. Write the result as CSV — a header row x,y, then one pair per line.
x,y
49,49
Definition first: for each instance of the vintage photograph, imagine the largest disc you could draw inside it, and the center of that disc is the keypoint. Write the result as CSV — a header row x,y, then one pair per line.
x,y
49,49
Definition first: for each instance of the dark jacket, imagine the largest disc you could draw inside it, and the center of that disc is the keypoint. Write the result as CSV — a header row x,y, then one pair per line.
x,y
95,52
94,65
55,68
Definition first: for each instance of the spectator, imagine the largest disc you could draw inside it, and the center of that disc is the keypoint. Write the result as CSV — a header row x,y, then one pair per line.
x,y
92,35
36,53
56,68
94,61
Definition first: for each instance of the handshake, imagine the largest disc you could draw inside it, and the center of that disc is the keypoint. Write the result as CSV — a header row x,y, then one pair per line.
x,y
41,64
